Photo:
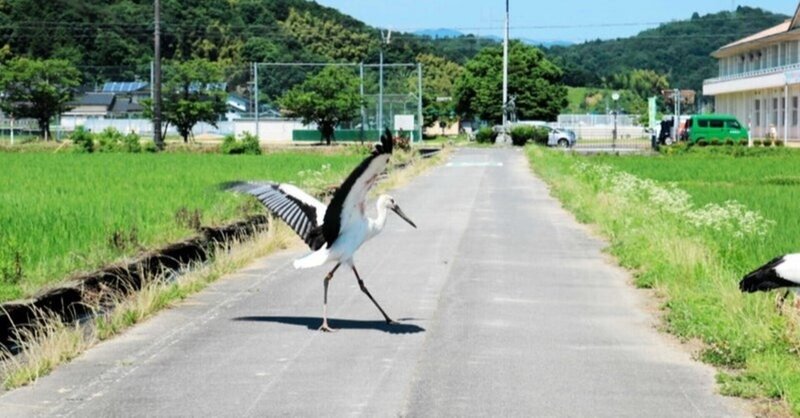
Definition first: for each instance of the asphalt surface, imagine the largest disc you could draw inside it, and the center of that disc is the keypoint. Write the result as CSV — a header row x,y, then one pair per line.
x,y
508,308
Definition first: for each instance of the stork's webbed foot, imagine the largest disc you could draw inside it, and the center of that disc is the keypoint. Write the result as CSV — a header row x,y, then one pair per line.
x,y
326,328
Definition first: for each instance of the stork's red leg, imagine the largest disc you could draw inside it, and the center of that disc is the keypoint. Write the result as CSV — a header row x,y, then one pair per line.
x,y
325,327
364,289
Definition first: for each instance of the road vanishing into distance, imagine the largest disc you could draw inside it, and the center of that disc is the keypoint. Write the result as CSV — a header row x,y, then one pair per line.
x,y
508,307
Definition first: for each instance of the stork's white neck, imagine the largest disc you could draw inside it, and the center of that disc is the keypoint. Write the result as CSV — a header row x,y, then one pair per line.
x,y
377,224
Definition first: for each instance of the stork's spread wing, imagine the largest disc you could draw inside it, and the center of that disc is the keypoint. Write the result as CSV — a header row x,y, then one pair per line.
x,y
303,213
348,202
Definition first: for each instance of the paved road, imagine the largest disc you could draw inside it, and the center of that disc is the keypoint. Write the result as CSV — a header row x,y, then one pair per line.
x,y
509,308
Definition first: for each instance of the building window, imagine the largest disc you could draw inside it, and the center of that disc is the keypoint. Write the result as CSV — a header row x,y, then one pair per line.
x,y
757,112
794,111
773,114
783,111
793,55
773,56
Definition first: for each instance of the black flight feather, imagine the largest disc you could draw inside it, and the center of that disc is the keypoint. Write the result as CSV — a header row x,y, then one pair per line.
x,y
765,278
333,216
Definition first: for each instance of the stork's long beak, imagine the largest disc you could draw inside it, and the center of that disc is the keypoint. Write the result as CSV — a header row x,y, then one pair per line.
x,y
400,213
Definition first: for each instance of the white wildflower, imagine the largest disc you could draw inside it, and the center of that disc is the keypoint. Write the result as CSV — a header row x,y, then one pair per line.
x,y
731,217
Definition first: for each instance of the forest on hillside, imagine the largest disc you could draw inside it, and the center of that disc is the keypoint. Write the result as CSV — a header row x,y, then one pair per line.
x,y
113,38
681,50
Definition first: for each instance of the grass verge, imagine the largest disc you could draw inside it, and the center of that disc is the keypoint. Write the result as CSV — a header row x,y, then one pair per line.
x,y
688,246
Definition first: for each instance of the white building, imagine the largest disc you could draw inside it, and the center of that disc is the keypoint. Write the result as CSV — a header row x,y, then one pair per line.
x,y
759,80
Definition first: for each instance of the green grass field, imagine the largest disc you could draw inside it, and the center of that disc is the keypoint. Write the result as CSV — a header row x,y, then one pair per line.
x,y
690,226
61,212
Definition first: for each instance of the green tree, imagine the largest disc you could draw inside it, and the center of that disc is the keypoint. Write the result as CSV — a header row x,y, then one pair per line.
x,y
532,79
644,83
37,89
327,99
328,38
192,93
439,78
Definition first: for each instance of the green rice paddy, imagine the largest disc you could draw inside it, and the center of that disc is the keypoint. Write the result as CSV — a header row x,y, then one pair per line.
x,y
62,213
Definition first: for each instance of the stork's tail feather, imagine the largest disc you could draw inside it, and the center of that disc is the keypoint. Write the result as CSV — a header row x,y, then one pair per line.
x,y
315,259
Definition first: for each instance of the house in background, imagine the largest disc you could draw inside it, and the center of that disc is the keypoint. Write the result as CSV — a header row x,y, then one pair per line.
x,y
116,100
89,106
240,107
759,80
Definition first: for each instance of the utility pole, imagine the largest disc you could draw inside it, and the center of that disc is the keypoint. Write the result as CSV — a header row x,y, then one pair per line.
x,y
363,109
255,88
157,139
384,40
676,95
505,79
419,101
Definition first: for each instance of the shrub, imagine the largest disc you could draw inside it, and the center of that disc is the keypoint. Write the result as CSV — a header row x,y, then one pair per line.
x,y
757,143
729,142
150,146
231,146
110,140
715,142
779,143
540,135
82,140
520,135
130,143
248,145
402,141
767,143
486,135
702,143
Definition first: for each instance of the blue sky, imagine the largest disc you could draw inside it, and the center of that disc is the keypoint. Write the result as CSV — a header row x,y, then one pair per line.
x,y
588,19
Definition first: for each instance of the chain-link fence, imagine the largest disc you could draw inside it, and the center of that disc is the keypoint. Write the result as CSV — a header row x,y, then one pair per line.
x,y
390,97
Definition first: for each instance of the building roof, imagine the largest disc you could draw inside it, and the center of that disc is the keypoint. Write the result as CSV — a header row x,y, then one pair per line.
x,y
777,31
126,106
123,86
795,19
96,99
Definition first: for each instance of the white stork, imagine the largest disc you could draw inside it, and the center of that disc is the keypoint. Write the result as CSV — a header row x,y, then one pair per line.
x,y
334,233
781,272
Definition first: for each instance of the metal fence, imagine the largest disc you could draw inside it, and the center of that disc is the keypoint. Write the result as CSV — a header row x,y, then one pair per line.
x,y
597,120
600,133
391,94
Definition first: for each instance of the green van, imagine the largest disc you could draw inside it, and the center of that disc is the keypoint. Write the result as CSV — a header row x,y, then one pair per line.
x,y
722,128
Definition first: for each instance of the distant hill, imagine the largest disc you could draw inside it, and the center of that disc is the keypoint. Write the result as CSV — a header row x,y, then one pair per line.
x,y
444,33
439,33
112,39
534,42
680,49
